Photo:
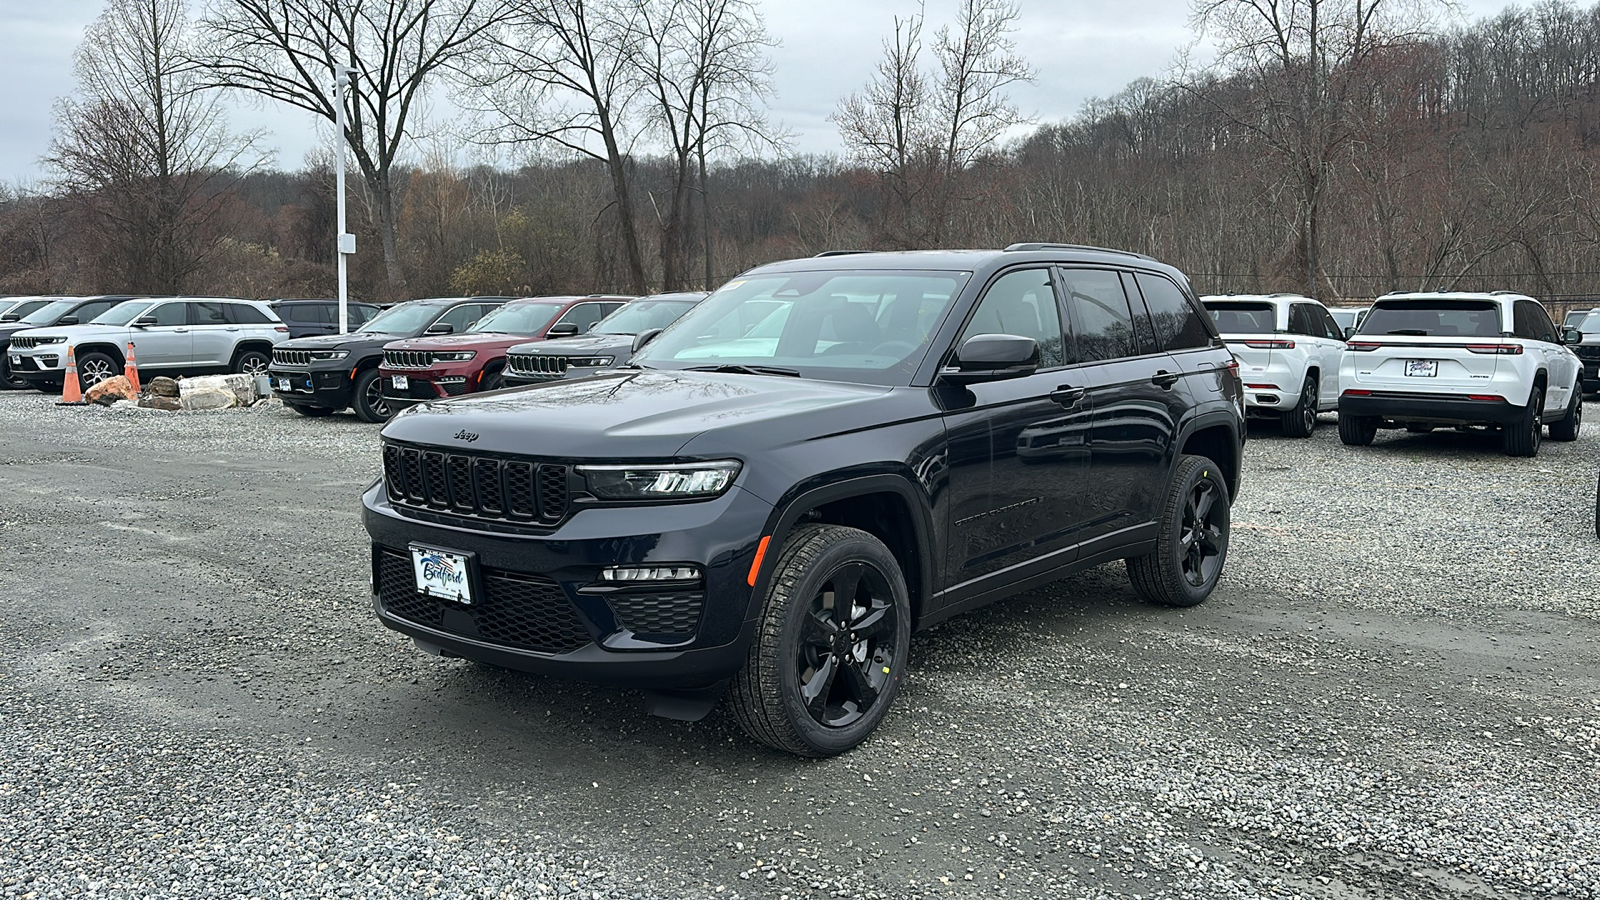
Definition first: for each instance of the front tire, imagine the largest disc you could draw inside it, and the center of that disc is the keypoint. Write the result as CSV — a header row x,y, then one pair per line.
x,y
1302,420
1192,545
8,381
833,638
1357,431
94,368
310,412
1521,438
366,398
1567,429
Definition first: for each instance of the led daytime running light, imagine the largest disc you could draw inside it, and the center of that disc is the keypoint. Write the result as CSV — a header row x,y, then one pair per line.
x,y
650,573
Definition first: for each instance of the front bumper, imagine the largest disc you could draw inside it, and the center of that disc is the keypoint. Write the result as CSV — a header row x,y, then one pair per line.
x,y
329,388
1591,373
424,385
1395,406
544,609
38,366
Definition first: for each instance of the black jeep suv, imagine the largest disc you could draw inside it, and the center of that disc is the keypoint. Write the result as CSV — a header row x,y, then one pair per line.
x,y
818,459
317,376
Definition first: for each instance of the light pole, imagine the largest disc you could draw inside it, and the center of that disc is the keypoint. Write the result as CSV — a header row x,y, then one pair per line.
x,y
346,241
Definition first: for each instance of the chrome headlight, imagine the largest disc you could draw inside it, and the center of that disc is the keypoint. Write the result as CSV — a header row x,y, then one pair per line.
x,y
683,481
455,356
329,354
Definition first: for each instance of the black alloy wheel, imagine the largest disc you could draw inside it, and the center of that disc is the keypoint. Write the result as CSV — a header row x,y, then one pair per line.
x,y
1302,420
252,363
1192,544
835,632
1572,423
94,368
366,397
1521,438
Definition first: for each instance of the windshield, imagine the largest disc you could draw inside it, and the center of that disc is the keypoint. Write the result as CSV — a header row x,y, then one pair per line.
x,y
407,318
122,313
865,326
1434,318
518,318
50,312
1242,318
642,315
1590,324
1345,317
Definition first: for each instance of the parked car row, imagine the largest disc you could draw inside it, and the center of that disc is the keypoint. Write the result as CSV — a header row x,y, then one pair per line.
x,y
1418,361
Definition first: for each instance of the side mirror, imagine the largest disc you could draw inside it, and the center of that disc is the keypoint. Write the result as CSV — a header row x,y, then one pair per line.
x,y
992,357
67,320
645,337
144,321
562,329
10,317
440,328
1570,335
1349,332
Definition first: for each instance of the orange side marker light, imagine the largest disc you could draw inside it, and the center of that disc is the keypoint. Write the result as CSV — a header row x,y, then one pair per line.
x,y
755,564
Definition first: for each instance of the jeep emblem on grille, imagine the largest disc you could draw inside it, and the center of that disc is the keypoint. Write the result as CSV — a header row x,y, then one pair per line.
x,y
464,435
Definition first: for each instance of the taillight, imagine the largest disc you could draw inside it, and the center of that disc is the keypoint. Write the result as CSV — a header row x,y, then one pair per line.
x,y
282,328
1270,345
1361,346
1497,349
1263,387
1487,398
1356,393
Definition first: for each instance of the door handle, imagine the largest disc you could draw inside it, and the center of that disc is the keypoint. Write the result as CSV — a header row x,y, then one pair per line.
x,y
1164,379
1067,395
233,328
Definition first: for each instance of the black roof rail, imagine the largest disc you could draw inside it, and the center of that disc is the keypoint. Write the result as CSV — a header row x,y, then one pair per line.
x,y
839,253
1050,246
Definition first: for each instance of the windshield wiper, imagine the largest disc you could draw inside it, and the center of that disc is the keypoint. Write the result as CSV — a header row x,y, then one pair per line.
x,y
736,369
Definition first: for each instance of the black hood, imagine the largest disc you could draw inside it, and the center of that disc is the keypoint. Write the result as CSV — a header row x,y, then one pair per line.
x,y
645,414
355,340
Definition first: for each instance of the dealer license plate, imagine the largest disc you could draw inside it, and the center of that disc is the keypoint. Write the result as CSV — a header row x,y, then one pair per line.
x,y
400,382
283,384
1422,368
442,574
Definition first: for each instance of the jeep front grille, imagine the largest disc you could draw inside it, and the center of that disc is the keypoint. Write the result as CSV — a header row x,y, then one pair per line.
x,y
525,612
407,359
486,487
21,342
291,357
537,365
1589,351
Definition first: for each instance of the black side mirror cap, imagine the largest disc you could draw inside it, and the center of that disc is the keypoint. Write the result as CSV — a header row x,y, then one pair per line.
x,y
440,328
1349,332
144,321
1570,335
562,329
67,320
10,317
645,337
992,357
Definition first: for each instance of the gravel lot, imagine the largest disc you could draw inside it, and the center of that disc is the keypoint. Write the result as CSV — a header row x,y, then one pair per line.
x,y
1393,694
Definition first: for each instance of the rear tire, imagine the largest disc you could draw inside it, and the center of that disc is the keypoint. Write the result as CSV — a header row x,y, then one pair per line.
x,y
821,675
1521,438
251,362
1357,431
1302,420
1192,545
310,412
1567,429
366,398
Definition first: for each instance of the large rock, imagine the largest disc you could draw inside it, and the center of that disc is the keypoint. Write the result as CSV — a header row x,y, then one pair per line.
x,y
111,390
208,391
162,386
155,401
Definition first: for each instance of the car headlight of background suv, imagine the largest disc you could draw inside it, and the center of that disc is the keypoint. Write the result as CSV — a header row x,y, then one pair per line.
x,y
455,356
50,340
590,362
329,354
683,481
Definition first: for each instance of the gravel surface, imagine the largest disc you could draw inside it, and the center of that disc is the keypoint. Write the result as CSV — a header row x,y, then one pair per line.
x,y
1393,694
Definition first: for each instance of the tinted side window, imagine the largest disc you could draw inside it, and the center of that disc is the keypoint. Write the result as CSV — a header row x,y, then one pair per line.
x,y
171,314
207,314
1330,327
462,316
358,314
1179,326
1021,303
1539,320
1144,335
1303,320
245,314
91,310
584,315
1100,314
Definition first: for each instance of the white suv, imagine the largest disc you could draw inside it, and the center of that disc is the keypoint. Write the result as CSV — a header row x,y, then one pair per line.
x,y
188,335
1422,360
1288,347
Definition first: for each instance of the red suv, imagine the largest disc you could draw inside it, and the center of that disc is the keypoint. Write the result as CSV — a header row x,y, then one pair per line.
x,y
416,370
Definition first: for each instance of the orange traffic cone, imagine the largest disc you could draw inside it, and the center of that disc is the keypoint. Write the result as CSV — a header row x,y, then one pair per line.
x,y
130,369
71,394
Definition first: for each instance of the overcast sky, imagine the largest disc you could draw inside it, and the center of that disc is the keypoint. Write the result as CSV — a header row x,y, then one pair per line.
x,y
1080,48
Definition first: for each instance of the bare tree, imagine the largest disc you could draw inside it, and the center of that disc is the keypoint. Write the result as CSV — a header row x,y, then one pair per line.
x,y
704,67
286,50
922,131
1308,65
142,148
